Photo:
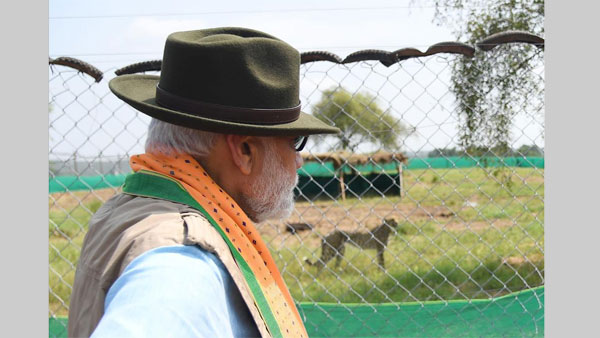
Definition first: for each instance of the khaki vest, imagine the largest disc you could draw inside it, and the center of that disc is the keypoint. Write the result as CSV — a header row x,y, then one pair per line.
x,y
127,226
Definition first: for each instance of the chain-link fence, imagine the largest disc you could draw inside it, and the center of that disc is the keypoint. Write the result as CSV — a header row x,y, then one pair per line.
x,y
430,199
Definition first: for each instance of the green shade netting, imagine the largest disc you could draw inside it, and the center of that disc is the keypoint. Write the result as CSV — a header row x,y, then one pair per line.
x,y
515,315
518,314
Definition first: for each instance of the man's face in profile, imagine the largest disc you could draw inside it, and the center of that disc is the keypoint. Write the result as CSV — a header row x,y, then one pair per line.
x,y
272,193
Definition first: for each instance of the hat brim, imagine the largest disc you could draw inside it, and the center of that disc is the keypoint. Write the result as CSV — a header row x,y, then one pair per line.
x,y
139,91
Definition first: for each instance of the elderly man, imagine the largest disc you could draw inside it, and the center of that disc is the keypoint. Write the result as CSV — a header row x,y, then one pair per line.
x,y
177,253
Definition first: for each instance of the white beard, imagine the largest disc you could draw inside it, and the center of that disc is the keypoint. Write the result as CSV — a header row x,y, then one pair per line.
x,y
273,191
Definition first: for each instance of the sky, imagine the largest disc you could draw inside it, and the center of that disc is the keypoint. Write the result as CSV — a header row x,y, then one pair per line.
x,y
111,34
129,30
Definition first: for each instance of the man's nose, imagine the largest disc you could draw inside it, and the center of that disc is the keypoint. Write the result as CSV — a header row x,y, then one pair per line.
x,y
299,160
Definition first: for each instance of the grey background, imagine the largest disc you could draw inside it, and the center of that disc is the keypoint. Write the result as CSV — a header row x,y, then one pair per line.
x,y
571,197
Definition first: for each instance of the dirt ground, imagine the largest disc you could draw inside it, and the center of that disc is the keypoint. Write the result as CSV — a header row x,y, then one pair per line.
x,y
322,217
325,217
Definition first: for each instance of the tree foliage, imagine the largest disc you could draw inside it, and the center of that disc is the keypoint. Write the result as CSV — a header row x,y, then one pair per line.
x,y
360,119
530,150
445,152
493,86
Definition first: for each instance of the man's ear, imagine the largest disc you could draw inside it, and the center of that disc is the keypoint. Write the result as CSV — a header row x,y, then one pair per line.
x,y
243,151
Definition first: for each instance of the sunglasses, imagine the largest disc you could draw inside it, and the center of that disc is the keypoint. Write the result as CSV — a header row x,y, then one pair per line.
x,y
300,142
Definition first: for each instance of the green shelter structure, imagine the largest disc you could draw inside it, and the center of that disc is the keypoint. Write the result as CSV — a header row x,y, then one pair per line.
x,y
334,175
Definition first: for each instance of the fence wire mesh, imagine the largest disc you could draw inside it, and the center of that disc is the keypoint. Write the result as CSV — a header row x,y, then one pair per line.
x,y
433,192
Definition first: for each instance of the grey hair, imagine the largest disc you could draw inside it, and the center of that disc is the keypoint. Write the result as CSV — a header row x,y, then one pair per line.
x,y
169,138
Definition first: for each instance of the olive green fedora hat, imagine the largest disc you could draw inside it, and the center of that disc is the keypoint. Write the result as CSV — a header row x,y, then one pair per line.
x,y
225,80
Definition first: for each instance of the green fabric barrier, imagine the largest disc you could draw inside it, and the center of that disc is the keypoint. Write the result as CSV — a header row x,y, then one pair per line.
x,y
468,162
322,173
519,314
58,327
74,183
317,169
516,315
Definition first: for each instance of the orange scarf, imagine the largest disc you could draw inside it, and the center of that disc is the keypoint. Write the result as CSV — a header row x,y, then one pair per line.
x,y
265,281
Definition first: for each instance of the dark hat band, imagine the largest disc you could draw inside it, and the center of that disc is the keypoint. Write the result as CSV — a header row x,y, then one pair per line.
x,y
260,116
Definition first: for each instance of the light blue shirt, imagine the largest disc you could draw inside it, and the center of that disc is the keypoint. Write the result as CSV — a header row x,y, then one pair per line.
x,y
175,291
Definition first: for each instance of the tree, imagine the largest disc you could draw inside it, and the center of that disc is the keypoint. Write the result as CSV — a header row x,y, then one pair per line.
x,y
530,151
360,119
445,152
492,87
